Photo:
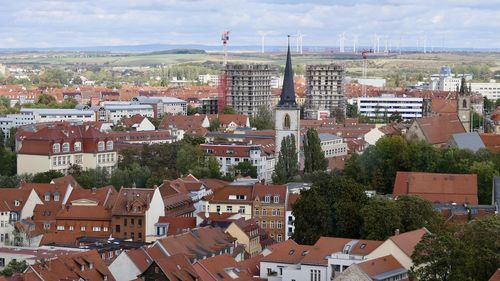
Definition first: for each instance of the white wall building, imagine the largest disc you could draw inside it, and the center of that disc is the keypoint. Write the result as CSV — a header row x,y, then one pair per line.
x,y
490,90
210,79
116,112
384,106
39,115
332,145
373,82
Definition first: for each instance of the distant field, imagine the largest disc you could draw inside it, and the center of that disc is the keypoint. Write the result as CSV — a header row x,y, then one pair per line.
x,y
377,65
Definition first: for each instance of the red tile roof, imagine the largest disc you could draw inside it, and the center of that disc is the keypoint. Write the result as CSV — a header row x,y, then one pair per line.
x,y
491,141
439,129
495,276
220,267
444,106
437,188
191,124
287,252
177,225
9,196
131,121
292,198
380,265
132,201
177,267
408,240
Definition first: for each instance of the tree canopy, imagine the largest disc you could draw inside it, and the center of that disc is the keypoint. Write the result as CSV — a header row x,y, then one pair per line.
x,y
287,166
314,157
263,120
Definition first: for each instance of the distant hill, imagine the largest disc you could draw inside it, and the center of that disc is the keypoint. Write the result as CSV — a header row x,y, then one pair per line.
x,y
178,51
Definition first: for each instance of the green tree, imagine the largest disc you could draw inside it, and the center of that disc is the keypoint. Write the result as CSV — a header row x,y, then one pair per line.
x,y
191,110
314,157
14,266
214,125
396,117
339,115
471,252
45,99
287,166
381,218
54,77
213,167
69,103
351,111
263,120
189,157
416,212
331,207
246,169
11,140
193,140
485,171
46,177
228,110
155,121
77,80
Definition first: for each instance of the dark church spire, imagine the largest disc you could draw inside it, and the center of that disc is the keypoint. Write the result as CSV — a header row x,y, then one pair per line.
x,y
287,98
463,86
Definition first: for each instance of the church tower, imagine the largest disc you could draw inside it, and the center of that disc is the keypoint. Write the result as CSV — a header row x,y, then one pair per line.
x,y
464,106
287,112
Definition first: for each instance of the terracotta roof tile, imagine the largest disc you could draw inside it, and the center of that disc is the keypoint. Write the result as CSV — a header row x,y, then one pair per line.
x,y
9,196
221,267
439,129
380,265
177,225
437,188
408,240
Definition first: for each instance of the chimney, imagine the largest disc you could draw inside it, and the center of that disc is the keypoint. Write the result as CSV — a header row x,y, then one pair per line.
x,y
94,190
396,232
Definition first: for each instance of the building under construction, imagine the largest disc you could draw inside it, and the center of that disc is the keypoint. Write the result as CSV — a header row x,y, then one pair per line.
x,y
325,89
246,87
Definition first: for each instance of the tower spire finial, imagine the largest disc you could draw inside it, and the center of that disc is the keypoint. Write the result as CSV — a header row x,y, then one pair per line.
x,y
287,98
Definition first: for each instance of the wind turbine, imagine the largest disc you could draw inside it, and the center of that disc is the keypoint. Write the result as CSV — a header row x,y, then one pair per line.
x,y
354,42
263,35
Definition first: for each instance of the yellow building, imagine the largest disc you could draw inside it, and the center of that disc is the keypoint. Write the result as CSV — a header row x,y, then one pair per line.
x,y
246,233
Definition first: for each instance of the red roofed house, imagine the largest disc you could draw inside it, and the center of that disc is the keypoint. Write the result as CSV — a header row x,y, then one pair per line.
x,y
436,130
385,268
185,124
80,266
246,233
220,268
400,246
138,123
135,212
324,260
437,188
131,263
231,122
58,147
175,267
15,204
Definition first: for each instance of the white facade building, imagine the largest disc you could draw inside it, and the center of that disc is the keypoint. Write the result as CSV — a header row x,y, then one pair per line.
x,y
210,79
116,112
39,115
373,82
490,90
384,106
332,145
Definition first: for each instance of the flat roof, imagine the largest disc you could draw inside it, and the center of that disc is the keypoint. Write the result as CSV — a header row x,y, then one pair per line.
x,y
54,111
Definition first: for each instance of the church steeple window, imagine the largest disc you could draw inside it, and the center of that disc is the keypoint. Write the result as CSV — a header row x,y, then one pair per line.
x,y
286,122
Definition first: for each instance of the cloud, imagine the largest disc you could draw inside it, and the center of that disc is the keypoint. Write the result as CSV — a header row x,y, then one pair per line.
x,y
97,22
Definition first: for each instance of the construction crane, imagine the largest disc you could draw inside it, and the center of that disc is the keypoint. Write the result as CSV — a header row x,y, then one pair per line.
x,y
225,39
223,84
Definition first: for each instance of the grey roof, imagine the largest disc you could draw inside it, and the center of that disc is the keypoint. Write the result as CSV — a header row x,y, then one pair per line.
x,y
55,111
287,98
470,141
327,137
144,99
127,106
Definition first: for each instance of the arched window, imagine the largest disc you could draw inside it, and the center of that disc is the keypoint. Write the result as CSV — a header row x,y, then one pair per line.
x,y
56,148
100,146
286,122
109,145
56,196
65,147
464,104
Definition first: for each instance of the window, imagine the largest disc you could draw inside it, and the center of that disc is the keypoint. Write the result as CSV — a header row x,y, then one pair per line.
x,y
279,238
56,196
47,196
274,212
60,227
78,146
286,122
264,225
464,104
96,228
267,199
241,210
71,228
264,211
132,221
2,262
117,228
229,208
46,225
17,203
271,224
109,145
56,148
279,225
65,147
218,208
82,228
124,222
276,199
256,212
139,222
100,146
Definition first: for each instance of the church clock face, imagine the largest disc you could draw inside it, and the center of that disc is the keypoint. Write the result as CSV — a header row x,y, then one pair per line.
x,y
464,116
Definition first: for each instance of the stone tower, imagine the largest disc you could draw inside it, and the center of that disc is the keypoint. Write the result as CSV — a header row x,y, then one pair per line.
x,y
464,106
287,112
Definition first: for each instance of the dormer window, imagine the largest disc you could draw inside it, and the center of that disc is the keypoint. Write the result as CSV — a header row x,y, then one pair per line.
x,y
47,196
78,146
56,196
276,199
100,146
56,148
267,199
17,203
109,145
65,147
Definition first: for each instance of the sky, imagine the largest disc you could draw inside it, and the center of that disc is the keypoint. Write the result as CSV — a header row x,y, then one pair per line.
x,y
75,23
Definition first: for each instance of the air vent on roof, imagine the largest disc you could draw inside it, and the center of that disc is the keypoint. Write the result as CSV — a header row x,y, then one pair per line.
x,y
362,246
305,252
291,252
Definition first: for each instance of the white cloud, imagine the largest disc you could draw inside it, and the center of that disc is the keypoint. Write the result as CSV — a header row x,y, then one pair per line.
x,y
97,22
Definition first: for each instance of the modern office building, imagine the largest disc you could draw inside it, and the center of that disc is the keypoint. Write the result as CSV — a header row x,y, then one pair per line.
x,y
489,90
384,106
